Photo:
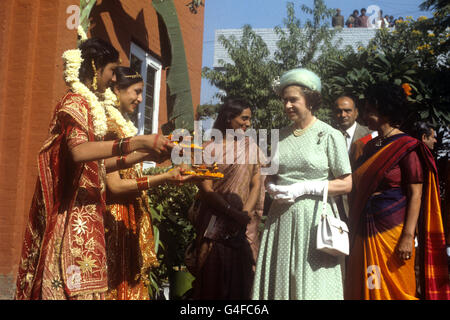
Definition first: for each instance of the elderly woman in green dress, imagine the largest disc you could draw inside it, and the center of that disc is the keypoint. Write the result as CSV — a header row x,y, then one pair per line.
x,y
310,154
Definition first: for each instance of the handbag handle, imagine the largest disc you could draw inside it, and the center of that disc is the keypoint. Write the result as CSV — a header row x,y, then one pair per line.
x,y
325,200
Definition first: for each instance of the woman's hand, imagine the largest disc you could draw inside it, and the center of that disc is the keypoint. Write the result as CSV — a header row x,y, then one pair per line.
x,y
404,247
176,176
158,146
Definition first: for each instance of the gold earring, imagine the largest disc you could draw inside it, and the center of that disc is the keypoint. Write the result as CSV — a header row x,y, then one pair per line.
x,y
94,80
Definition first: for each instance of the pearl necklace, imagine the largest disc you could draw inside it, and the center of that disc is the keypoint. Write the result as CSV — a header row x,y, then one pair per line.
x,y
299,132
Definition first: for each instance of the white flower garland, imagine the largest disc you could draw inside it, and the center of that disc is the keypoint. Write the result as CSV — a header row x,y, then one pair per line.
x,y
125,123
72,59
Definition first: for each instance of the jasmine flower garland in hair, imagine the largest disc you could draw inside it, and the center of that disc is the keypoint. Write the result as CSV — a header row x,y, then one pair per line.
x,y
81,33
72,61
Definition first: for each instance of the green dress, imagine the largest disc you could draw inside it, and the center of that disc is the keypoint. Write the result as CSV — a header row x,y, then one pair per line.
x,y
289,266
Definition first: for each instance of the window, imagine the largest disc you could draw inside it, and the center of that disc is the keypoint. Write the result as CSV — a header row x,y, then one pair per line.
x,y
146,117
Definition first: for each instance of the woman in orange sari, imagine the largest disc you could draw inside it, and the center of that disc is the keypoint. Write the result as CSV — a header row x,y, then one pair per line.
x,y
396,198
130,247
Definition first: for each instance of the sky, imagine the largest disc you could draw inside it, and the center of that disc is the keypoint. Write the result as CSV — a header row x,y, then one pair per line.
x,y
233,14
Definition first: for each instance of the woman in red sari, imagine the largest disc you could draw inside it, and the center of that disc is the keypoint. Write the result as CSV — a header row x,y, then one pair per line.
x,y
130,246
64,254
396,198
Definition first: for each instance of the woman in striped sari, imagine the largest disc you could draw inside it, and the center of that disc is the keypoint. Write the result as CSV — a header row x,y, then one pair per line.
x,y
396,199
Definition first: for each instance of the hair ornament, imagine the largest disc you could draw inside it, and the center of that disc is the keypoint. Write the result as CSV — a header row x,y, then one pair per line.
x,y
134,76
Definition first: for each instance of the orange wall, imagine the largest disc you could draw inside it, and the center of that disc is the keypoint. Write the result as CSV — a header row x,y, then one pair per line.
x,y
123,22
33,36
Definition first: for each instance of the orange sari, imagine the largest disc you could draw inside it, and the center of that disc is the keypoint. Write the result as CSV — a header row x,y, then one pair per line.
x,y
129,237
376,223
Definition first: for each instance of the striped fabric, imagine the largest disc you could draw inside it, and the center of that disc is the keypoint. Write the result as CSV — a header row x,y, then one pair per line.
x,y
376,223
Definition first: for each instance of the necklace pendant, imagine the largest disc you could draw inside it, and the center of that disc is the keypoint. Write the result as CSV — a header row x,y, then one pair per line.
x,y
379,143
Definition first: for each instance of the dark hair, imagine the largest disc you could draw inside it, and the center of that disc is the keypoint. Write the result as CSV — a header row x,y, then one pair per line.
x,y
363,9
389,100
125,77
100,51
420,128
231,108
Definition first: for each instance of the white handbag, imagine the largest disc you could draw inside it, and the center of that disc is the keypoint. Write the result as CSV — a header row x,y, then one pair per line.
x,y
332,232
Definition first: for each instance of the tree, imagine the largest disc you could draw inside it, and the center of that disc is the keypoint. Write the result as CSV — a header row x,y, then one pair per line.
x,y
412,54
249,76
299,45
253,71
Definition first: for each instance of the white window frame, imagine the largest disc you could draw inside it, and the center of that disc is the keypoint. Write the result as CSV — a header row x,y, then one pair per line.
x,y
148,61
155,64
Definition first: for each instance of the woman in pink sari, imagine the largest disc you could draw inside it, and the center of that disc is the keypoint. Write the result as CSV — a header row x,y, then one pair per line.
x,y
230,211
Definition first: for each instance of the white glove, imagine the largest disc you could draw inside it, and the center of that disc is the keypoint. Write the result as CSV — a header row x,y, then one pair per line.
x,y
288,194
273,189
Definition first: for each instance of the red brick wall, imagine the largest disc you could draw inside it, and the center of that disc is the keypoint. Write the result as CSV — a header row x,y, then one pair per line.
x,y
33,36
123,22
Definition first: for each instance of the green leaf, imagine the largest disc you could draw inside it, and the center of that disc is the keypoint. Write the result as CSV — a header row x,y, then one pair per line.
x,y
85,10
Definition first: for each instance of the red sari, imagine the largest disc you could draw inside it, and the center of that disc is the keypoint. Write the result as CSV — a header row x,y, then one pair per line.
x,y
63,255
376,222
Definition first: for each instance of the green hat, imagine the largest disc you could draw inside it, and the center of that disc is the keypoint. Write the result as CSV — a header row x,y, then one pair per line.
x,y
301,77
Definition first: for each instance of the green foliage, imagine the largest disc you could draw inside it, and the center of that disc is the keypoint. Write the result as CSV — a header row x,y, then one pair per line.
x,y
415,52
194,5
173,232
412,53
253,70
249,76
207,111
299,45
85,10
